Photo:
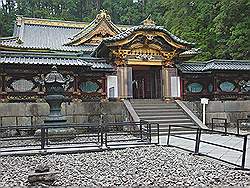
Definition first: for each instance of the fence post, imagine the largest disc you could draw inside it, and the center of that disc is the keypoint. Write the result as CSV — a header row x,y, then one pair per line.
x,y
197,142
47,136
16,121
141,130
238,126
98,133
226,127
31,121
158,133
169,130
150,138
106,139
101,135
42,137
212,124
244,152
148,132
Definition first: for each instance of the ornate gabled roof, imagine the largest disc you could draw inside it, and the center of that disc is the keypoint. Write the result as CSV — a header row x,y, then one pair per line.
x,y
147,35
146,27
32,33
51,59
101,25
215,64
52,35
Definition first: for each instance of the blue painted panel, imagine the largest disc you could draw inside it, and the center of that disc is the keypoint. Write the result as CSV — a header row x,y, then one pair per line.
x,y
195,87
227,86
210,88
89,87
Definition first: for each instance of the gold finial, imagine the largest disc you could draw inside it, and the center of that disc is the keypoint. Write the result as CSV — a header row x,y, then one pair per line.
x,y
103,15
19,19
148,21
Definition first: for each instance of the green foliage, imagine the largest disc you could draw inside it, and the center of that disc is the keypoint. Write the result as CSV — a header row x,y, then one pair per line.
x,y
219,27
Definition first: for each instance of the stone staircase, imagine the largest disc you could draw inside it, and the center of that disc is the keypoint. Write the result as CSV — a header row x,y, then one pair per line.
x,y
164,113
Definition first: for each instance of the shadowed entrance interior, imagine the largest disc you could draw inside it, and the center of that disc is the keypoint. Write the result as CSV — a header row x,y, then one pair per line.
x,y
147,82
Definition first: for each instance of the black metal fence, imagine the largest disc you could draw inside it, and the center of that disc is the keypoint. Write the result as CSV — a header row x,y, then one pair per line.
x,y
239,124
74,137
223,123
198,141
220,122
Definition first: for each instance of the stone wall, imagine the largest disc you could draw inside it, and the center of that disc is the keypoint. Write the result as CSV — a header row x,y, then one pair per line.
x,y
232,110
76,112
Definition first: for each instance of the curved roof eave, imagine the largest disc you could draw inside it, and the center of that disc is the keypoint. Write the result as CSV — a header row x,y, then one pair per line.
x,y
131,30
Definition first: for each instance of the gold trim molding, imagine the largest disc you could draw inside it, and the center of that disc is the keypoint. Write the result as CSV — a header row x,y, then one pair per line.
x,y
57,23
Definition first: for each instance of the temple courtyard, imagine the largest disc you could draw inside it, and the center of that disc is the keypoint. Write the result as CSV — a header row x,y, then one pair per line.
x,y
135,166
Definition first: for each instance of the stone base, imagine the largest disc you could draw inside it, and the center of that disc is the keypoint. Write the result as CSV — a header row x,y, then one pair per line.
x,y
56,134
46,178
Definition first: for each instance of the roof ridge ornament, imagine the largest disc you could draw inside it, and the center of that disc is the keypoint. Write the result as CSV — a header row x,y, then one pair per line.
x,y
104,14
148,21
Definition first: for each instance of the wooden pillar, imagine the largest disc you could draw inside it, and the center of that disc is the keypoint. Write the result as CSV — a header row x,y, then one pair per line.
x,y
76,82
76,92
121,81
124,75
3,86
181,87
166,85
3,80
104,86
167,73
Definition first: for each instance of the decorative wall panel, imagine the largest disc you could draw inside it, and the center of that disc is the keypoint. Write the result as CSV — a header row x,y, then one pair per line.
x,y
89,87
227,86
195,87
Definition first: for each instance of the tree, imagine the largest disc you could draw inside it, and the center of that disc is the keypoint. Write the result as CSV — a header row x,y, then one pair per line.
x,y
219,27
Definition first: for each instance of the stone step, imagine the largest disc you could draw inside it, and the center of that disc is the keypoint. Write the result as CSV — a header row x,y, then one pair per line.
x,y
157,116
165,129
175,123
157,110
160,104
161,113
145,101
171,121
155,107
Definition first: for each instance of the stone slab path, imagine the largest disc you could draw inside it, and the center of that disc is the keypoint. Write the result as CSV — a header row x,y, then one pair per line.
x,y
231,156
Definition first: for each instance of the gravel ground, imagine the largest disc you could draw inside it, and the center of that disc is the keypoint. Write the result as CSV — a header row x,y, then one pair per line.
x,y
145,166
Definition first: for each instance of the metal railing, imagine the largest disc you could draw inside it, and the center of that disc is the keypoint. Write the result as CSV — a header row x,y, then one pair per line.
x,y
239,122
220,122
198,141
14,139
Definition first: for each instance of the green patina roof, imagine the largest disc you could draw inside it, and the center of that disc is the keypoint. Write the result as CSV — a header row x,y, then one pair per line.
x,y
131,30
215,64
50,59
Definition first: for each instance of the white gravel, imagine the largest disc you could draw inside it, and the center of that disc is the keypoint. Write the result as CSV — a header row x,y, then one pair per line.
x,y
145,166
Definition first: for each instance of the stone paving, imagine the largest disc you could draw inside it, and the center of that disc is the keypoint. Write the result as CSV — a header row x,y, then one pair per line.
x,y
231,156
